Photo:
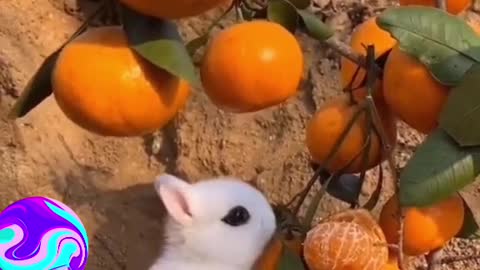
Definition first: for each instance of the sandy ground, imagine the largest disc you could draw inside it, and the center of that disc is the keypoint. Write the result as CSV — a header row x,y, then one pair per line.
x,y
107,181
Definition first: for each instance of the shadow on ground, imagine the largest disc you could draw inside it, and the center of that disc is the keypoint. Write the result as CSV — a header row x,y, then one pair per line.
x,y
129,221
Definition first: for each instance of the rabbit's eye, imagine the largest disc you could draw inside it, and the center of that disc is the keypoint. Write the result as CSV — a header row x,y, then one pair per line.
x,y
237,216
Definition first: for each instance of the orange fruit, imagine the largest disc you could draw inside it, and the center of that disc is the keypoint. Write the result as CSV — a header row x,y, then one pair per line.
x,y
251,66
453,6
425,229
120,94
349,240
173,9
406,82
270,258
366,33
363,218
329,122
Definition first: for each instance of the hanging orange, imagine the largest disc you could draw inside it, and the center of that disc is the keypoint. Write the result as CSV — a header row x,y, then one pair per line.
x,y
104,87
453,6
411,92
173,9
425,229
366,33
251,66
329,122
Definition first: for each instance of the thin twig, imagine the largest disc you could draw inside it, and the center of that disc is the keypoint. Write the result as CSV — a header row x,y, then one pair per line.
x,y
252,6
386,144
349,88
223,15
365,149
373,201
366,153
302,195
338,143
343,49
389,246
400,255
441,4
391,163
312,209
102,8
238,12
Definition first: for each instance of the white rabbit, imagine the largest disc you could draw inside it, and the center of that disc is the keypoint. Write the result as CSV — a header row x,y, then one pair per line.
x,y
217,224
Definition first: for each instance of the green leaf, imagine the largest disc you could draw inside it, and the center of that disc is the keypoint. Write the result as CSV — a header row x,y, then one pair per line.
x,y
470,228
438,169
159,42
289,260
446,44
301,4
315,27
461,113
284,13
39,87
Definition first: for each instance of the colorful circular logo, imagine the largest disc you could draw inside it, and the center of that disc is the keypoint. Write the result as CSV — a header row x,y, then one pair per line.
x,y
39,233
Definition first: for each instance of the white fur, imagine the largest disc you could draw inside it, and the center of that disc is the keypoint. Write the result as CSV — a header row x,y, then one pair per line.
x,y
197,239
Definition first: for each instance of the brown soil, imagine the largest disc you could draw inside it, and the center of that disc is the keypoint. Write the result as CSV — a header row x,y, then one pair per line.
x,y
107,181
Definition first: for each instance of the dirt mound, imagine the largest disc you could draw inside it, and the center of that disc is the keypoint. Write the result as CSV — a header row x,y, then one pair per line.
x,y
107,181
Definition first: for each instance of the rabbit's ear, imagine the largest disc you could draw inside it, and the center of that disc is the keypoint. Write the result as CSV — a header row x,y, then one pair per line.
x,y
174,193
